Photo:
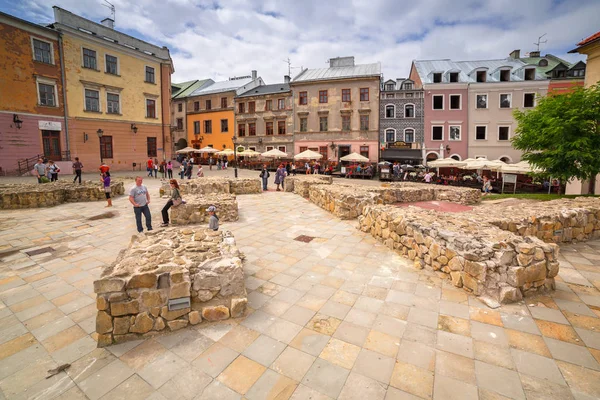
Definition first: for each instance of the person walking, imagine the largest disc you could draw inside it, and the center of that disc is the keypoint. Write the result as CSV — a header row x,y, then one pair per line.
x,y
149,166
155,167
53,171
293,168
188,170
210,163
307,168
218,164
170,170
39,169
162,169
213,221
288,168
175,200
106,187
139,196
264,175
77,167
280,177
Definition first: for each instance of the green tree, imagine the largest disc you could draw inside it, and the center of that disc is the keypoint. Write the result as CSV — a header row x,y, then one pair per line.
x,y
562,134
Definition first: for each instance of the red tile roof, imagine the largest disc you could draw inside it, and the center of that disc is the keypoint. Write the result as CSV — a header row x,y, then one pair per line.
x,y
595,36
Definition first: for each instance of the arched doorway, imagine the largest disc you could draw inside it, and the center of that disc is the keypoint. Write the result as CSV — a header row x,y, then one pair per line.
x,y
456,157
432,156
181,144
506,159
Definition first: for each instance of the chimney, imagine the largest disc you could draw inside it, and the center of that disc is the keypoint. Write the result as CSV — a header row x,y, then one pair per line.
x,y
341,62
286,79
515,54
253,74
108,22
534,54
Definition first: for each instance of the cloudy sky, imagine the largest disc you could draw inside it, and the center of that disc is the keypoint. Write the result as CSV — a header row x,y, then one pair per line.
x,y
222,38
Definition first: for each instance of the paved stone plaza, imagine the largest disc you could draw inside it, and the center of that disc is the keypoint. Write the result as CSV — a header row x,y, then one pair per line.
x,y
341,316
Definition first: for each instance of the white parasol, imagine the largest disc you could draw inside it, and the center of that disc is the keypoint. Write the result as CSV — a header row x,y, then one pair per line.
x,y
354,157
274,153
308,155
186,150
208,149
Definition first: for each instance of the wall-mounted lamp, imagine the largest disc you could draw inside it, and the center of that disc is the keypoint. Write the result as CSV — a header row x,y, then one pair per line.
x,y
85,137
448,148
259,140
134,128
18,123
100,133
332,145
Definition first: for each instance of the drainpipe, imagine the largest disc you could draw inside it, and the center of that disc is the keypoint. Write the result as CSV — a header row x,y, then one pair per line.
x,y
64,90
162,111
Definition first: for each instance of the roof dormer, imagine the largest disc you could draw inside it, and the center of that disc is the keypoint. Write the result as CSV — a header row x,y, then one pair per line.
x,y
479,74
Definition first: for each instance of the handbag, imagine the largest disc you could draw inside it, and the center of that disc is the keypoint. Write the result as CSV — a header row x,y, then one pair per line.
x,y
177,202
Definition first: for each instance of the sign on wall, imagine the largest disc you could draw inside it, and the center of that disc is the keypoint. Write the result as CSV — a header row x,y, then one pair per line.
x,y
50,125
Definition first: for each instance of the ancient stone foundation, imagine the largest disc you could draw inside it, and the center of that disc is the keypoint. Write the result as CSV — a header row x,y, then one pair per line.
x,y
167,280
194,209
204,186
14,196
300,184
483,259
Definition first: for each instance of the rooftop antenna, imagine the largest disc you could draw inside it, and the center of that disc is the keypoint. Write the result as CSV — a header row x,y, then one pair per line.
x,y
539,41
111,7
290,67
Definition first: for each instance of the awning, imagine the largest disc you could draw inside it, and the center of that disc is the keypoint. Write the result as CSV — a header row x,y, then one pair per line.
x,y
401,154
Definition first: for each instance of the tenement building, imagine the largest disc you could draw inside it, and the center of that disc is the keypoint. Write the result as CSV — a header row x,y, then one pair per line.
x,y
118,94
264,118
336,109
401,121
179,94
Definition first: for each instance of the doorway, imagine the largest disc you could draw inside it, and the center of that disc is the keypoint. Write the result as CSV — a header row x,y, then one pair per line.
x,y
343,151
51,144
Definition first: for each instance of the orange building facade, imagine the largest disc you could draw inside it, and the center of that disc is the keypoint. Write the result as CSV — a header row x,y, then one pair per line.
x,y
212,127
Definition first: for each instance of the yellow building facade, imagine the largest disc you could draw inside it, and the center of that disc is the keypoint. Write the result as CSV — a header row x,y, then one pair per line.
x,y
118,94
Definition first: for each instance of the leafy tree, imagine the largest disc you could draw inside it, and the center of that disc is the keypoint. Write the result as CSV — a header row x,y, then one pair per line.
x,y
562,134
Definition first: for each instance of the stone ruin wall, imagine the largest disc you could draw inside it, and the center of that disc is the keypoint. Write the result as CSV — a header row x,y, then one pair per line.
x,y
205,186
194,209
300,184
199,265
34,195
481,258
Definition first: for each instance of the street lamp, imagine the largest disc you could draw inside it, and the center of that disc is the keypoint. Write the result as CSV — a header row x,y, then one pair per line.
x,y
235,173
100,133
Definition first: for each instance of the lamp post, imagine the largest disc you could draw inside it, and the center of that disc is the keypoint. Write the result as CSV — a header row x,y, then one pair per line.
x,y
235,172
100,133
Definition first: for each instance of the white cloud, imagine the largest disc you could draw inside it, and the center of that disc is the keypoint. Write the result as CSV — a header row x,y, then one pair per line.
x,y
223,38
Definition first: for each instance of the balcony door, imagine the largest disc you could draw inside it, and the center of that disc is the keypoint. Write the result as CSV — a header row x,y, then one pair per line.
x,y
51,143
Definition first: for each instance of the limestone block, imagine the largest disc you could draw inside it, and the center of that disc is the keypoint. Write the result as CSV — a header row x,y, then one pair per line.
x,y
194,317
180,290
177,324
215,313
124,308
516,276
121,325
101,303
159,324
143,323
553,267
524,259
509,294
535,272
103,322
116,297
154,298
471,283
147,280
456,264
456,277
109,285
171,315
105,339
238,307
206,295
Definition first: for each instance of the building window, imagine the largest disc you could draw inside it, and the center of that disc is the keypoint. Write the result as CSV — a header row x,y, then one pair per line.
x,y
196,106
481,132
89,59
323,124
242,108
303,98
208,126
281,127
390,135
364,122
224,125
346,123
42,51
408,86
323,152
437,133
453,76
409,111
281,104
268,105
437,77
481,76
112,65
346,95
409,135
409,95
454,133
303,124
322,96
179,123
106,147
208,104
269,128
303,148
390,111
269,148
438,102
252,129
196,127
180,107
364,151
151,146
455,101
223,102
282,148
92,100
112,103
251,107
47,95
505,100
504,75
389,86
364,94
482,101
150,75
503,133
529,74
529,100
150,108
241,130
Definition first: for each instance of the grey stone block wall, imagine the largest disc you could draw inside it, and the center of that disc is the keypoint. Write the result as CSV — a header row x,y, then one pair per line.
x,y
399,122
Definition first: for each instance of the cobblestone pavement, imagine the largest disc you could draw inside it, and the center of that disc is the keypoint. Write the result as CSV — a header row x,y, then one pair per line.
x,y
338,317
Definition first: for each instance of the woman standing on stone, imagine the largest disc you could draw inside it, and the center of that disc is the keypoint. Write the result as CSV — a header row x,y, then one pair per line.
x,y
106,187
264,175
175,200
280,177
